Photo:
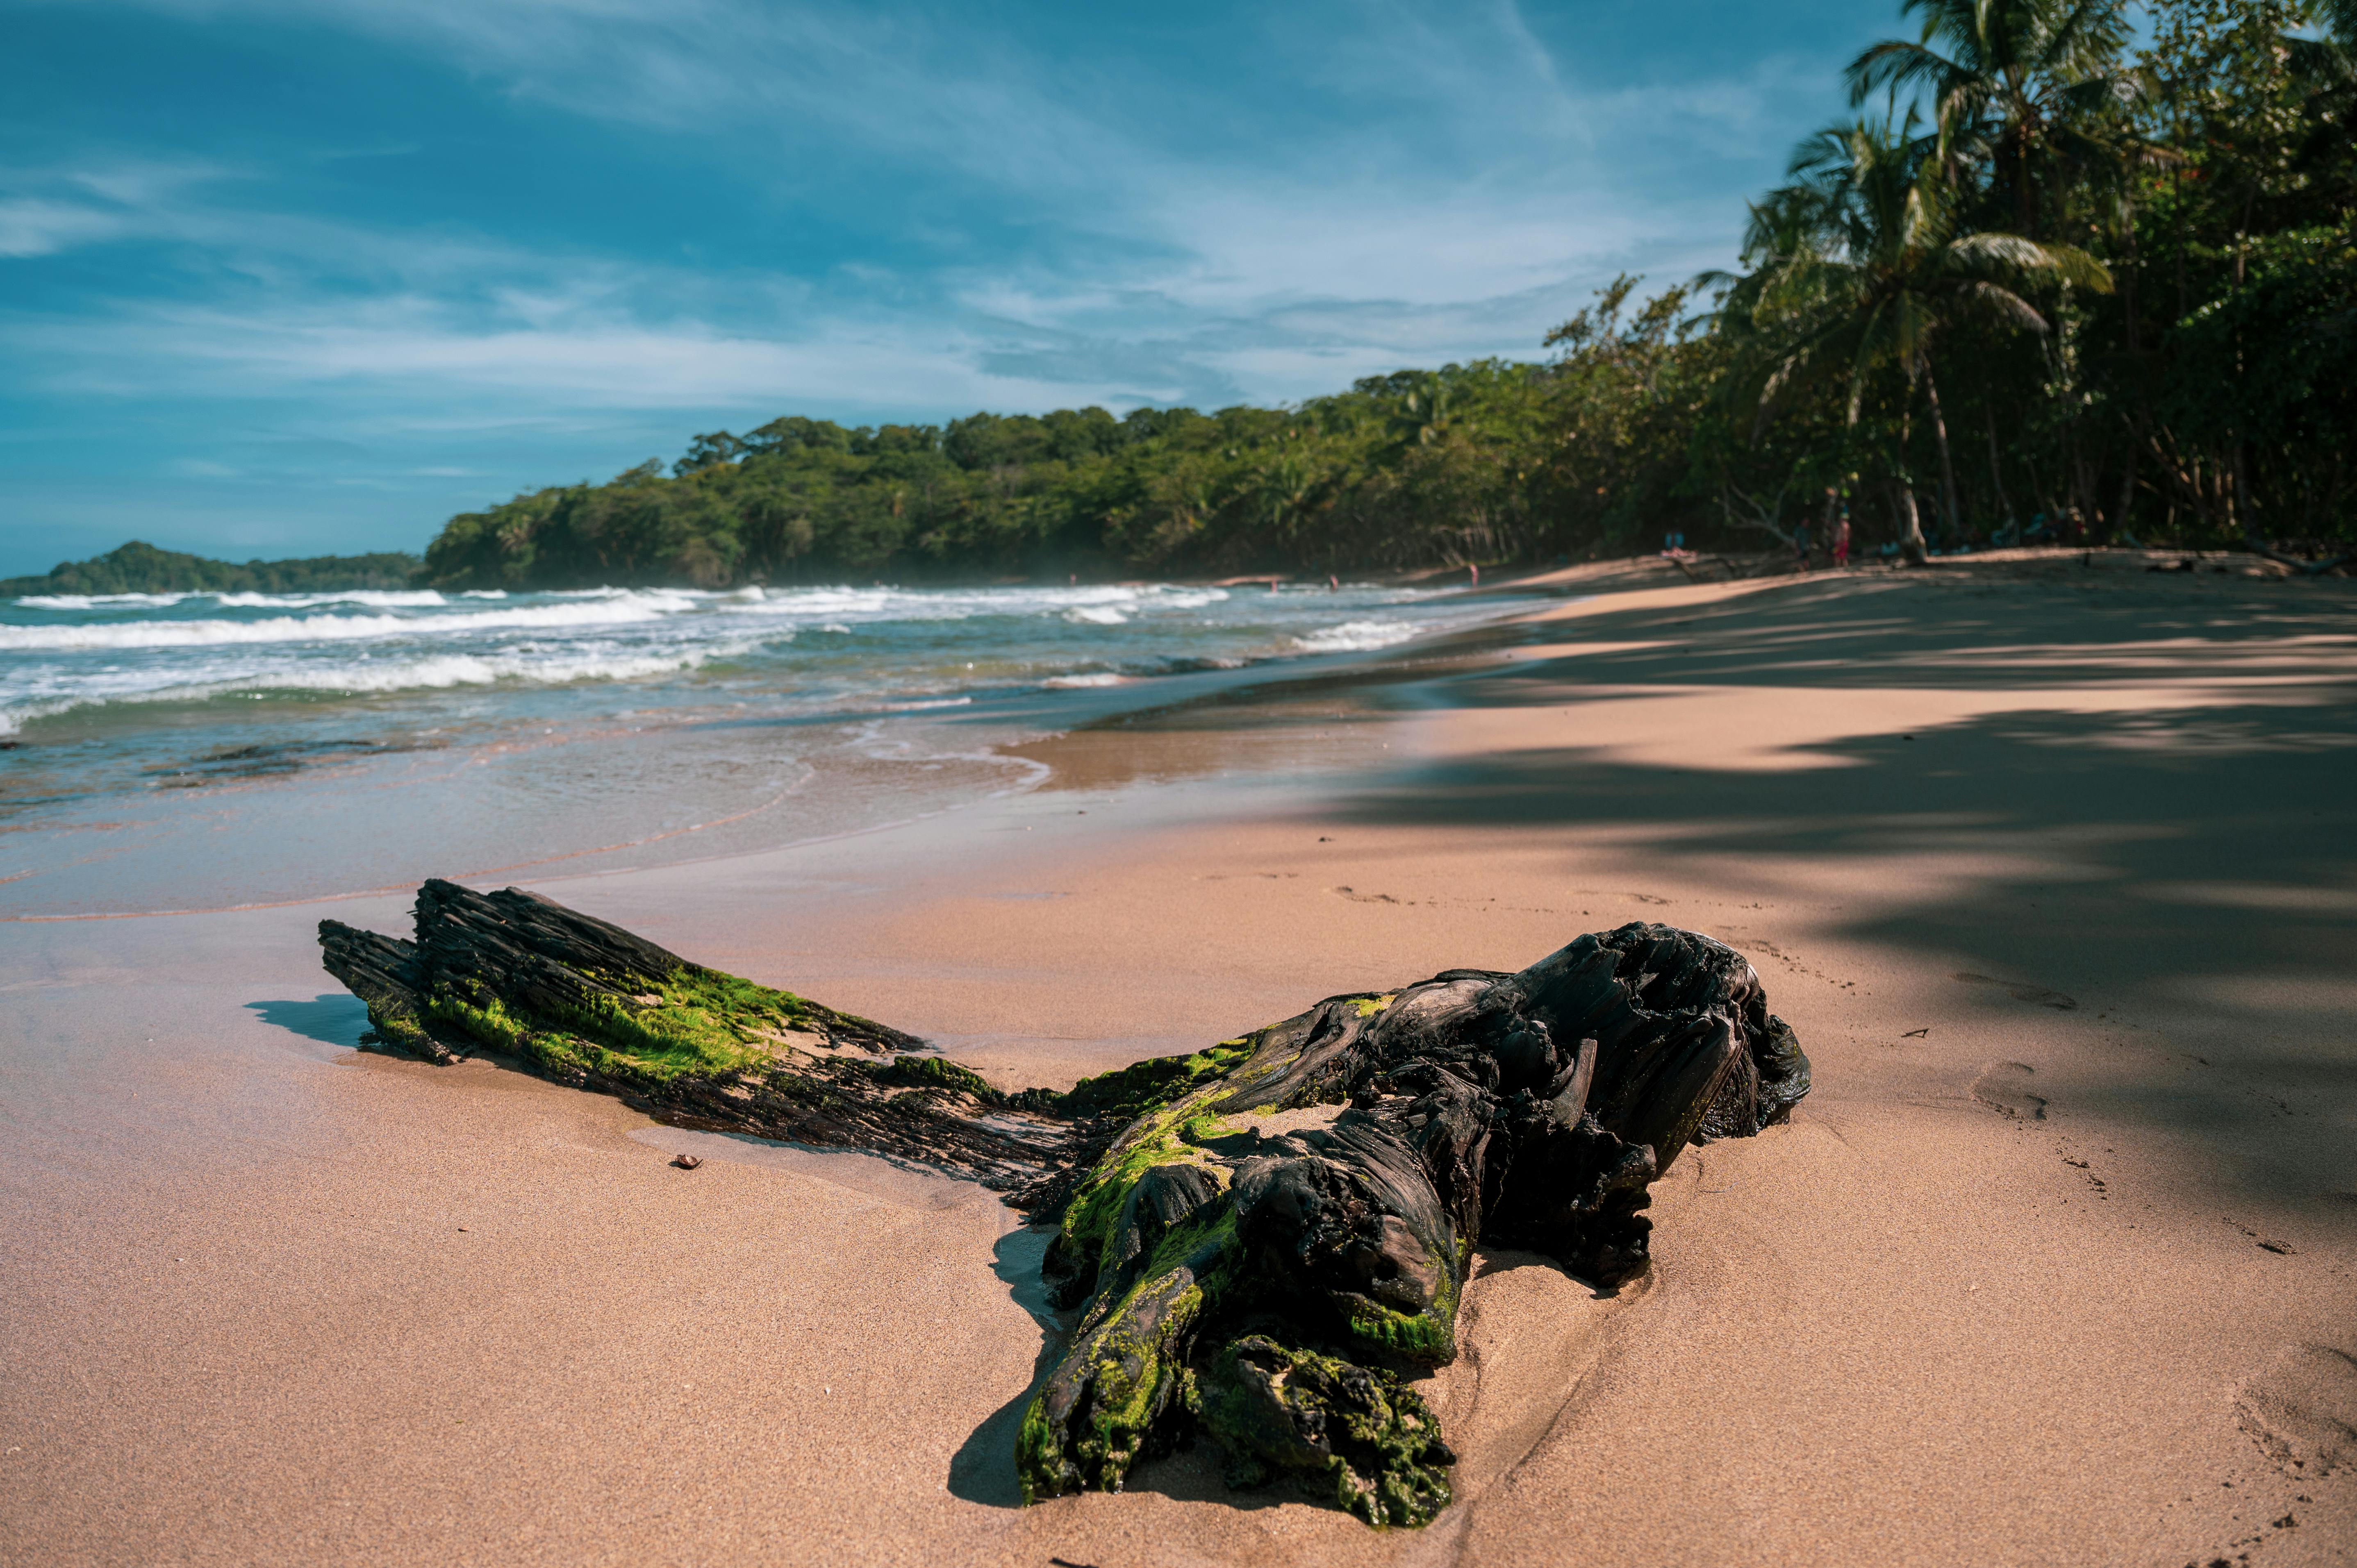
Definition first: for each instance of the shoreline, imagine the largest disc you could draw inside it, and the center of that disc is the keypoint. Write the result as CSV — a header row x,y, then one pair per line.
x,y
218,807
1956,1311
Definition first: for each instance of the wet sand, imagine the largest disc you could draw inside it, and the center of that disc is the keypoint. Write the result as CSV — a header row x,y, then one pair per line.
x,y
2049,870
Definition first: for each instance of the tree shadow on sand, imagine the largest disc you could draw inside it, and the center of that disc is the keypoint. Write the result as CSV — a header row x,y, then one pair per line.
x,y
2184,858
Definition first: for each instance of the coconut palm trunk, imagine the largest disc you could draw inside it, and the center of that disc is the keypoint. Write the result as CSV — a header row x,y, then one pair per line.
x,y
1912,546
1947,467
1997,474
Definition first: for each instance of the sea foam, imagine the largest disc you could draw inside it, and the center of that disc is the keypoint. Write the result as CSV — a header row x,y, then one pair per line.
x,y
623,610
1357,635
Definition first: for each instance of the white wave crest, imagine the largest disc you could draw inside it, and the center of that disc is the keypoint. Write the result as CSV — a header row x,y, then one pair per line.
x,y
448,670
1357,635
637,608
438,672
98,601
1095,615
1184,598
1076,683
380,598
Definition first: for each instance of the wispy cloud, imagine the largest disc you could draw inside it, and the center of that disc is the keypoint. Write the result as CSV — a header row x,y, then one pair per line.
x,y
44,211
34,227
886,212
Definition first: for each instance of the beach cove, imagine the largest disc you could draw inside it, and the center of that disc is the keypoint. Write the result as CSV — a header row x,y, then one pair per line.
x,y
2045,863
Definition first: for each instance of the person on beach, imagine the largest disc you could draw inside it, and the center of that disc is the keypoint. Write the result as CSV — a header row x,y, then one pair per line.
x,y
1841,540
1801,545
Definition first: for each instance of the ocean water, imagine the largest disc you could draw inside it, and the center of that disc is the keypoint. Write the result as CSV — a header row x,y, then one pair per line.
x,y
199,750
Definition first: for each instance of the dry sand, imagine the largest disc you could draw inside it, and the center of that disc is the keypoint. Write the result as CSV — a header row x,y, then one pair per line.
x,y
2051,870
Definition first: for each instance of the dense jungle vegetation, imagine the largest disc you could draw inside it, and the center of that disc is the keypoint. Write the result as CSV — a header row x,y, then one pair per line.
x,y
2068,272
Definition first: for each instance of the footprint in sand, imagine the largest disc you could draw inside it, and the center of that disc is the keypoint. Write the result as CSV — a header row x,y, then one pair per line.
x,y
2021,990
2302,1411
2004,1087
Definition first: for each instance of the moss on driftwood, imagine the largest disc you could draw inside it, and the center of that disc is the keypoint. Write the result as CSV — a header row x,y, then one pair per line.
x,y
1271,1291
587,1003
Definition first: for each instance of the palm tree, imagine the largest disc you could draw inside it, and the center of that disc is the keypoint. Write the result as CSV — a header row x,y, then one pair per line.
x,y
1422,415
1859,263
2024,85
2334,54
2324,70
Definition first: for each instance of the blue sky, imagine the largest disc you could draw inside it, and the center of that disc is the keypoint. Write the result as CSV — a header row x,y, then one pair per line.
x,y
295,276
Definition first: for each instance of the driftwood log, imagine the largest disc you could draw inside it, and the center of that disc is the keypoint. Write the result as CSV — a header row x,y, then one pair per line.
x,y
1240,1265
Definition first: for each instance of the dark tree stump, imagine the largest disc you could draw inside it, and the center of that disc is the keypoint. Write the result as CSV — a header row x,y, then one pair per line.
x,y
1265,1290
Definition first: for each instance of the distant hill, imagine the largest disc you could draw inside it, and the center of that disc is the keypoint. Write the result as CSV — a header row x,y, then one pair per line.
x,y
140,568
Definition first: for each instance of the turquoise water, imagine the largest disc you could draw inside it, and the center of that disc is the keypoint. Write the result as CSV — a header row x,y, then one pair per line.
x,y
171,751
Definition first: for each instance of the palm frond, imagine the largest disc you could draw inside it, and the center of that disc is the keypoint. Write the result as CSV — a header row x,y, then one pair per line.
x,y
2000,305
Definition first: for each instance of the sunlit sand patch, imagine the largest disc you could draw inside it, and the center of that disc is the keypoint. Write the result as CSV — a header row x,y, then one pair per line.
x,y
2267,896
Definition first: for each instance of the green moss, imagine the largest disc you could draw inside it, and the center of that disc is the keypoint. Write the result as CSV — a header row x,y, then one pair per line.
x,y
1127,1374
936,1072
702,1020
397,1027
490,1024
1369,1006
1168,1131
1419,1336
699,1021
1354,1434
1132,1371
1038,1455
1206,1244
1429,1336
1138,1087
744,1007
1173,1136
1136,1374
1097,1202
1207,1127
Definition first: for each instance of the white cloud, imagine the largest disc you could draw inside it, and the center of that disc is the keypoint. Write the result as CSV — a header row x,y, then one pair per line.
x,y
33,227
411,349
47,209
1168,262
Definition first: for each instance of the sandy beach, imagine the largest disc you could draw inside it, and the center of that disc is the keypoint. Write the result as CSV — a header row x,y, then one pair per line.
x,y
2049,865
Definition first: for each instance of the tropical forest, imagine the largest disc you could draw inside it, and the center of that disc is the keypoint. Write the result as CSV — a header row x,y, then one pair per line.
x,y
2065,272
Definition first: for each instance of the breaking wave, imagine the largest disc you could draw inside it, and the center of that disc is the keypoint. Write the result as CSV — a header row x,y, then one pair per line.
x,y
634,607
61,653
1357,635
